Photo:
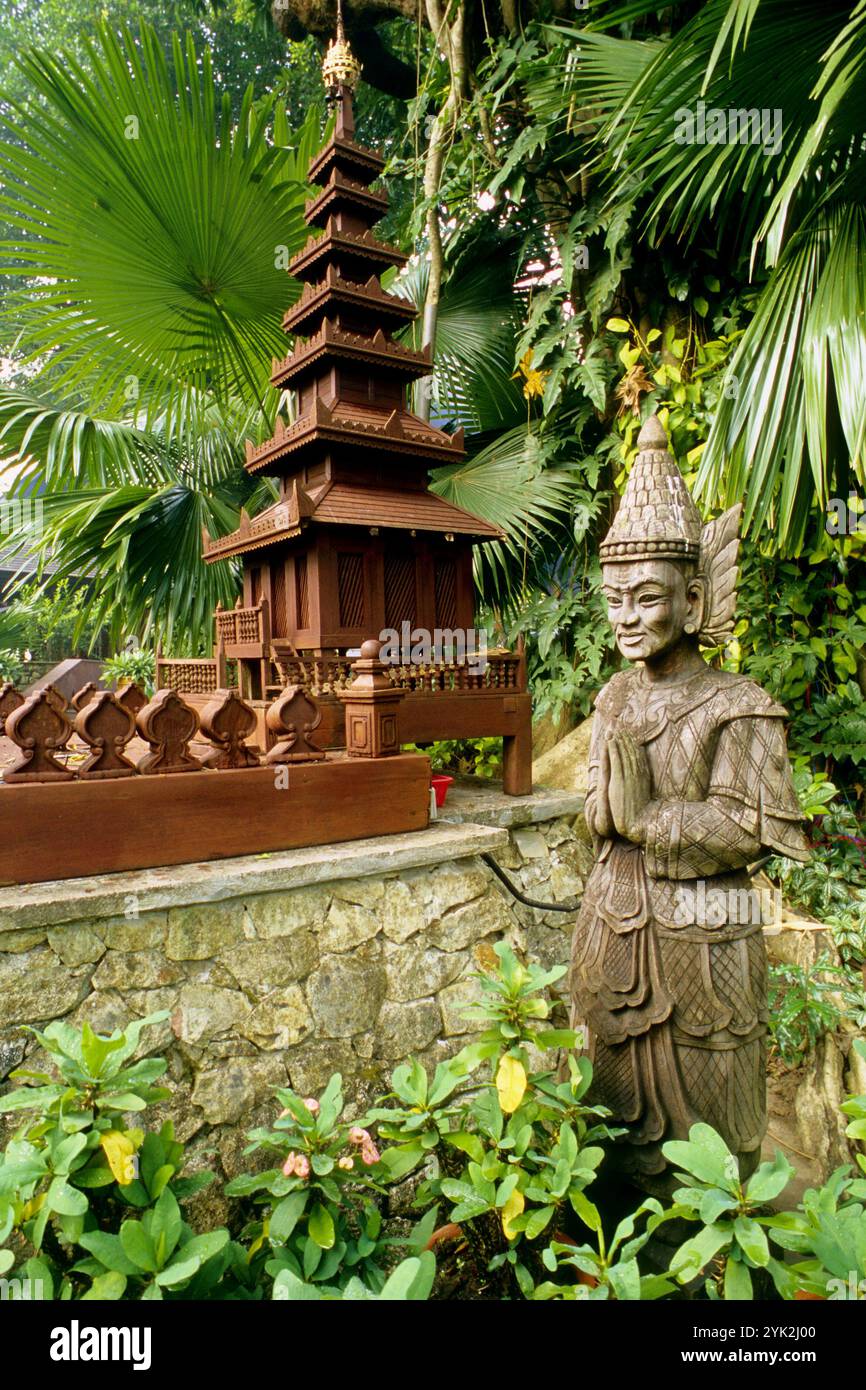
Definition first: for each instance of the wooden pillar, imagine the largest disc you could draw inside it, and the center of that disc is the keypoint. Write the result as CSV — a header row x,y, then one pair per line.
x,y
517,751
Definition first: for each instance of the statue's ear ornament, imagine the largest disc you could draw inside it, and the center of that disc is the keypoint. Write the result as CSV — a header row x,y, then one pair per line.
x,y
720,543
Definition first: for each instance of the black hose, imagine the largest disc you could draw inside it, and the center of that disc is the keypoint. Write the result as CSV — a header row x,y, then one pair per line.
x,y
521,897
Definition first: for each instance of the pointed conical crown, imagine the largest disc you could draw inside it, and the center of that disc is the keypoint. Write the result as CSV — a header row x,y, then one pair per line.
x,y
657,519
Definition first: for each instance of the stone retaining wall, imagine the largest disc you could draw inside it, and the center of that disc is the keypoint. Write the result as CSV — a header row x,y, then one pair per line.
x,y
281,969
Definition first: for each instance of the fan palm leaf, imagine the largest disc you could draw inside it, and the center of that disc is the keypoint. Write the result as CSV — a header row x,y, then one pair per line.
x,y
153,229
507,483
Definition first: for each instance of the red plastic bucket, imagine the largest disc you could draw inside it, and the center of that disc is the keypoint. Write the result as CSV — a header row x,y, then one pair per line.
x,y
440,782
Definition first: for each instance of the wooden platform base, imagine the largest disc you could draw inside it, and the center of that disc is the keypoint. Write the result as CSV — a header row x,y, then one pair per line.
x,y
71,829
428,718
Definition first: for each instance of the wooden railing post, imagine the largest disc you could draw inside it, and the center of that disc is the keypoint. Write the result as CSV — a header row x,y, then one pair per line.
x,y
371,703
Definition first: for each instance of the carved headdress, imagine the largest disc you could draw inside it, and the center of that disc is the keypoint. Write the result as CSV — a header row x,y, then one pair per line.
x,y
657,520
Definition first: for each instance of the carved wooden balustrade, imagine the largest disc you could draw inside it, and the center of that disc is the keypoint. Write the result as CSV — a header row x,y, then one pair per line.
x,y
326,675
243,627
188,675
81,798
444,700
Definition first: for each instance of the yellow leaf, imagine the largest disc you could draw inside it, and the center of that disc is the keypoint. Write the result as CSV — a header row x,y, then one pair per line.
x,y
510,1083
513,1208
118,1149
259,1241
33,1206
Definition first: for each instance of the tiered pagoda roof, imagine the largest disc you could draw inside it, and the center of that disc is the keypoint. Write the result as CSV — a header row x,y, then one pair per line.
x,y
350,376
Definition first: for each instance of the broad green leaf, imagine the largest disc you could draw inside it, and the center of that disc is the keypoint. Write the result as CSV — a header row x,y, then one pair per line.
x,y
769,1179
138,1246
538,1221
751,1239
286,1214
289,1288
110,1252
66,1200
738,1281
401,1160
412,1280
110,1287
468,1143
183,1268
166,1225
625,1280
321,1227
706,1155
697,1252
585,1209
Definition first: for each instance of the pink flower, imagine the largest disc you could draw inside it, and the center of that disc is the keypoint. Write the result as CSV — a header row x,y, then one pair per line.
x,y
289,1165
302,1166
312,1105
358,1136
369,1154
346,1163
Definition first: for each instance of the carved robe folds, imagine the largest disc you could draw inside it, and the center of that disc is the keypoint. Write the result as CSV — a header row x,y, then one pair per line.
x,y
674,994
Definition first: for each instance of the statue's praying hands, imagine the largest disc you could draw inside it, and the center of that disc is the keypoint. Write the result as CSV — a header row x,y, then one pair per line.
x,y
628,786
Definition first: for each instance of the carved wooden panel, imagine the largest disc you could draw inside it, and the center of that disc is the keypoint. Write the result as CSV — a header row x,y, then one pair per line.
x,y
295,715
83,696
227,722
132,697
446,592
40,729
106,726
350,584
400,596
302,592
279,610
167,724
54,698
10,699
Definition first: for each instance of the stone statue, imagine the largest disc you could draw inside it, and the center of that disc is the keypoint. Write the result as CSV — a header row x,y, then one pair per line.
x,y
689,783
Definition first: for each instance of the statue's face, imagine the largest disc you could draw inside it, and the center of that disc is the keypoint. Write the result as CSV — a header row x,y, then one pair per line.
x,y
649,603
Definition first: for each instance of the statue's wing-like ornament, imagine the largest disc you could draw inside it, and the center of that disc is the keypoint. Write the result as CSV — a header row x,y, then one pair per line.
x,y
720,542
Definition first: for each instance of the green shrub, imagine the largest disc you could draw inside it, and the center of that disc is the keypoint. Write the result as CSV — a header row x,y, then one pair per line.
x,y
94,1200
138,666
323,1224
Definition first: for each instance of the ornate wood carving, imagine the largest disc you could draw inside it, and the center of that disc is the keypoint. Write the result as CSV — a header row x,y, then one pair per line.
x,y
83,696
54,698
371,703
10,699
295,715
167,724
40,729
227,721
106,726
689,782
132,697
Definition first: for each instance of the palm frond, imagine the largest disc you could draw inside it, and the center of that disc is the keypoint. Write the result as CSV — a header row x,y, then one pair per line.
x,y
508,484
148,223
798,365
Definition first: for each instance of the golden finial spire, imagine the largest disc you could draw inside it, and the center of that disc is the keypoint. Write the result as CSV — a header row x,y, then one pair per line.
x,y
340,67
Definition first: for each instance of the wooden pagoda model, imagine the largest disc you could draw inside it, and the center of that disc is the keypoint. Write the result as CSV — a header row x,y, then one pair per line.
x,y
356,543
